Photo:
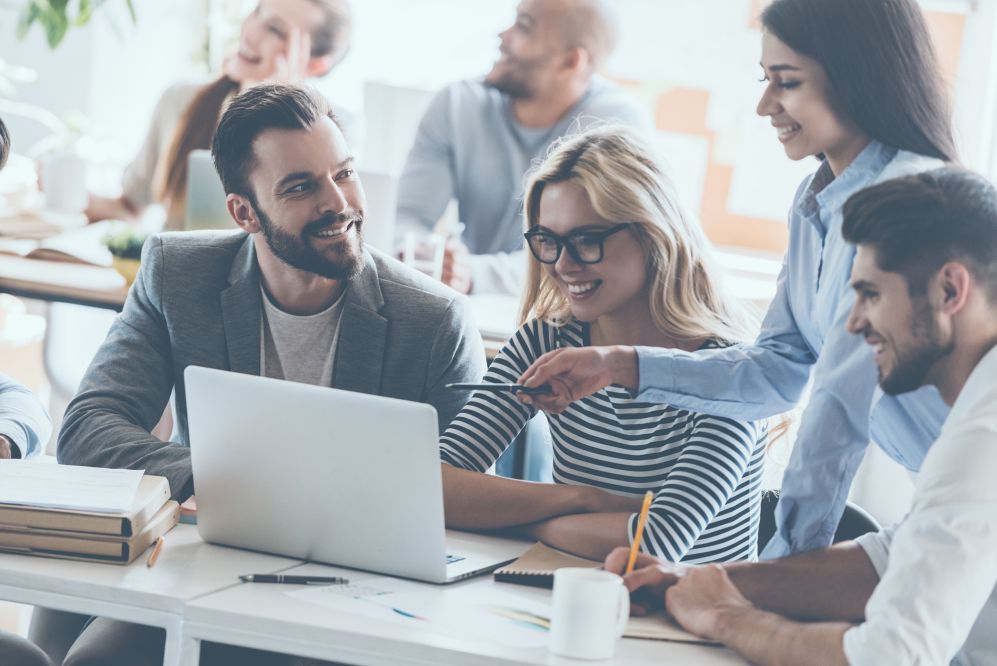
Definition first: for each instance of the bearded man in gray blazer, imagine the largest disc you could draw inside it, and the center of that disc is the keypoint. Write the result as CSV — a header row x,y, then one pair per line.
x,y
293,295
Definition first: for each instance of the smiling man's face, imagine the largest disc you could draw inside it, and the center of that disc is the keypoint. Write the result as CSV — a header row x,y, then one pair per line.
x,y
308,199
903,330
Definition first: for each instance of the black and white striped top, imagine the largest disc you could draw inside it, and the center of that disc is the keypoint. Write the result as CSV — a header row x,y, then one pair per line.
x,y
705,470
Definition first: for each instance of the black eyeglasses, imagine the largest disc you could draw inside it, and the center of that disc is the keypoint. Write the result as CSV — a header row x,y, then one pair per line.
x,y
585,247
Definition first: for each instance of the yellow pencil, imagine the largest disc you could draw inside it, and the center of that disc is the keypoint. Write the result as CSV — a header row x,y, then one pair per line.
x,y
641,520
156,550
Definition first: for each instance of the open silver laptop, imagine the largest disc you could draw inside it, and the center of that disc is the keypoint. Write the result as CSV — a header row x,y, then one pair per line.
x,y
205,203
332,476
381,190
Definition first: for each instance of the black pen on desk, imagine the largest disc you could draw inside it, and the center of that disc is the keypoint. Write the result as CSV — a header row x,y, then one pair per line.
x,y
283,579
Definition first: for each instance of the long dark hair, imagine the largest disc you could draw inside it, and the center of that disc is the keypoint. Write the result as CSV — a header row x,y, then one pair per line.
x,y
197,125
4,144
880,63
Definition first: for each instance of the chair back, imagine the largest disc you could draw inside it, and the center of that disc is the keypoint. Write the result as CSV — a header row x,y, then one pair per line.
x,y
855,521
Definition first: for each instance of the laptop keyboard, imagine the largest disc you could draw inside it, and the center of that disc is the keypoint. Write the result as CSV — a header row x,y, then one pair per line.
x,y
454,558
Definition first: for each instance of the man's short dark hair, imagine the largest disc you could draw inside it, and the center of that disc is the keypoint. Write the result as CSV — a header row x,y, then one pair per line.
x,y
918,223
263,107
4,144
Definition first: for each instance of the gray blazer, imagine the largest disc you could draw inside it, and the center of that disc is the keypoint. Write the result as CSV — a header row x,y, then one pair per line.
x,y
197,301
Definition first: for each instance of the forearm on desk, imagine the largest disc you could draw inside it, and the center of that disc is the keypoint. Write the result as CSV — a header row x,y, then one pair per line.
x,y
473,500
591,535
828,584
771,640
111,208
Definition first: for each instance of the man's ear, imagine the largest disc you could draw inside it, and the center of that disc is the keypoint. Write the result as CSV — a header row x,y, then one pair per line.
x,y
954,282
242,212
578,61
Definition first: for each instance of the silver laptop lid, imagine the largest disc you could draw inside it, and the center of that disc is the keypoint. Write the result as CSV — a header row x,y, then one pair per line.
x,y
381,193
317,473
205,202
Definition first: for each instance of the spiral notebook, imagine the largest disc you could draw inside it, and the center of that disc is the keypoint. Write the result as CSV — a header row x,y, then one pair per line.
x,y
537,565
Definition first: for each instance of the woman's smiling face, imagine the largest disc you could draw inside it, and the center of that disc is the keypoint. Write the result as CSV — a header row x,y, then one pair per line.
x,y
610,287
798,100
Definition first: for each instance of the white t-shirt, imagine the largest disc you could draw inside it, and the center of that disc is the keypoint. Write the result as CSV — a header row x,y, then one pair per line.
x,y
936,601
299,348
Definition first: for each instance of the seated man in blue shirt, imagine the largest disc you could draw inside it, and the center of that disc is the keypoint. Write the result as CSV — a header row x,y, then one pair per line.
x,y
478,137
24,425
925,590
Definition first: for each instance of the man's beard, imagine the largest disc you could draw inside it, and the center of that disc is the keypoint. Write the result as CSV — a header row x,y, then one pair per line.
x,y
297,252
516,80
914,363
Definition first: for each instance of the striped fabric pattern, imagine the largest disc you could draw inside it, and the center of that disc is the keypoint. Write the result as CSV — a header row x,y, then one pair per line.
x,y
705,470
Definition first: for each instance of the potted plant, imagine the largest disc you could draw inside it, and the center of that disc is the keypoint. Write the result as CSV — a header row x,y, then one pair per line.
x,y
126,251
55,19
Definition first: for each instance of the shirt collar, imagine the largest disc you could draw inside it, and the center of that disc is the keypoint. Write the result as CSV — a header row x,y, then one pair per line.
x,y
827,192
862,171
979,379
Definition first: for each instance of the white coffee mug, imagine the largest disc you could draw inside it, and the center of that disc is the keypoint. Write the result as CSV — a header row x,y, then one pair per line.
x,y
64,179
590,612
425,253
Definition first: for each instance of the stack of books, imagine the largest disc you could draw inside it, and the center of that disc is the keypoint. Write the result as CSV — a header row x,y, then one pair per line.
x,y
96,526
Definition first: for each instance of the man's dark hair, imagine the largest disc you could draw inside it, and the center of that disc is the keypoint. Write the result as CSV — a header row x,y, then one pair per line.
x,y
4,144
918,223
880,63
269,106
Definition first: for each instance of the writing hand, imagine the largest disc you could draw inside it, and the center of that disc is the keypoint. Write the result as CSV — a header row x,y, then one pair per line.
x,y
649,580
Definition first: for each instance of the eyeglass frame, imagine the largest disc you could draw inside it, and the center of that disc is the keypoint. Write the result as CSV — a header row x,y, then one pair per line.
x,y
562,242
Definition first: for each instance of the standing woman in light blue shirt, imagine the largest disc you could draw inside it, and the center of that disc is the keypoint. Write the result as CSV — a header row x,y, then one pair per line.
x,y
857,84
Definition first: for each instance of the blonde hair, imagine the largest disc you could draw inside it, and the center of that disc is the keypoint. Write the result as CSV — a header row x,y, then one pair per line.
x,y
625,184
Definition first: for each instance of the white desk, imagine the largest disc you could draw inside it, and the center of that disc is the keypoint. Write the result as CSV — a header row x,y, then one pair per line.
x,y
187,569
194,594
266,618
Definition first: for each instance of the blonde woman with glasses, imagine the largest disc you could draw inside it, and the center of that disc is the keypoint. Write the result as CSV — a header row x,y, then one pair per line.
x,y
614,260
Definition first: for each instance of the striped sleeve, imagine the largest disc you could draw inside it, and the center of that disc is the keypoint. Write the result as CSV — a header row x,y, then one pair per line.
x,y
489,422
702,480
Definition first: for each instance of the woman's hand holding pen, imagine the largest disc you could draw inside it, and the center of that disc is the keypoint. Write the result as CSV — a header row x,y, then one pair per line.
x,y
649,580
574,373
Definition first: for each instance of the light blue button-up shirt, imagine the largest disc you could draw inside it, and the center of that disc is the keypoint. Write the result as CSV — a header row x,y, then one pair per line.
x,y
22,418
803,333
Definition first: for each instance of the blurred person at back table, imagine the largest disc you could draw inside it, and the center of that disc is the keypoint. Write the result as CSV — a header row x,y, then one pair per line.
x,y
478,137
280,40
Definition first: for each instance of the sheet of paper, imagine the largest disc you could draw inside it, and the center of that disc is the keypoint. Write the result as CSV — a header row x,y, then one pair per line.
x,y
478,611
30,483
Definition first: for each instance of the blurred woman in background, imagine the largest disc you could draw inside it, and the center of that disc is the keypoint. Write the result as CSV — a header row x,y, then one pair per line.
x,y
281,40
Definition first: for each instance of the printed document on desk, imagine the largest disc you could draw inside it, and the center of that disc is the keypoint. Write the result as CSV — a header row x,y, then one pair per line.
x,y
464,610
513,616
39,484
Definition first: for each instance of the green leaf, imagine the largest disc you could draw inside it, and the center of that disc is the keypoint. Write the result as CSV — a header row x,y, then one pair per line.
x,y
86,11
131,10
56,24
28,17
